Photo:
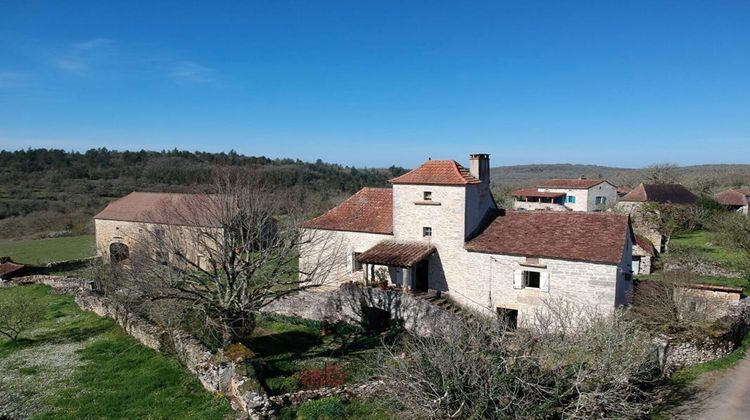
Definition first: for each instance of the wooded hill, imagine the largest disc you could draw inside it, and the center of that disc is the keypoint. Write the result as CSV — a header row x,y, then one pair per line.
x,y
44,191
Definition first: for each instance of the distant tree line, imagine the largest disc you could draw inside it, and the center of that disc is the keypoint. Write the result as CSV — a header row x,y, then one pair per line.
x,y
48,190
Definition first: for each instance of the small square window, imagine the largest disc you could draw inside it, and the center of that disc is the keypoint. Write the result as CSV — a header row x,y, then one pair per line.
x,y
426,231
531,279
601,200
571,199
427,196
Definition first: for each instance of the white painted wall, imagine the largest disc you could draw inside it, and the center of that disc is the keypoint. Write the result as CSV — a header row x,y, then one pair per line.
x,y
586,198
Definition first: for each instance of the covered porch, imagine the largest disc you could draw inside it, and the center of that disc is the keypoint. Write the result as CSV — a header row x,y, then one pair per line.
x,y
400,265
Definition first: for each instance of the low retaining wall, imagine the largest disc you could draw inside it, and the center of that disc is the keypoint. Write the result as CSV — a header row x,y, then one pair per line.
x,y
351,301
216,377
676,354
71,264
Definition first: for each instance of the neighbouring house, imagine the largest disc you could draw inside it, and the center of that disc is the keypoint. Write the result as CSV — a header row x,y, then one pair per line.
x,y
643,255
632,202
439,229
737,199
622,191
580,194
135,225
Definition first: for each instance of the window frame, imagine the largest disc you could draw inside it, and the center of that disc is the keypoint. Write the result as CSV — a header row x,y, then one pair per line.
x,y
426,231
426,195
527,274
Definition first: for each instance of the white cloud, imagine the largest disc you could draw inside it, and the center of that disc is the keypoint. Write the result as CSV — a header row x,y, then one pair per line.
x,y
192,72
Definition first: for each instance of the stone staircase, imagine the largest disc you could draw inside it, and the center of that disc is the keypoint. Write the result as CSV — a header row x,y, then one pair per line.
x,y
440,301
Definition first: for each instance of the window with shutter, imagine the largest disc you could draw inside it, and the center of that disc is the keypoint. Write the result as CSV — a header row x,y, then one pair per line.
x,y
518,279
350,263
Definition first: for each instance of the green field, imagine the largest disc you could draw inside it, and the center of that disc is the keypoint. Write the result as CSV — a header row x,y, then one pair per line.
x,y
74,364
40,251
704,245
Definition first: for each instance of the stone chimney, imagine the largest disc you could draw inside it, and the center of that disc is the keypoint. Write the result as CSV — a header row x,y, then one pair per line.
x,y
479,166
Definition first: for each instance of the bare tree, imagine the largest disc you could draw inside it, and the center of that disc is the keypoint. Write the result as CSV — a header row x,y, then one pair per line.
x,y
663,173
664,218
671,305
569,362
17,313
231,252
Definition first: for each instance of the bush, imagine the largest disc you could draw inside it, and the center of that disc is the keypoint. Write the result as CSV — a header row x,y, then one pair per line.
x,y
329,376
331,408
18,313
570,362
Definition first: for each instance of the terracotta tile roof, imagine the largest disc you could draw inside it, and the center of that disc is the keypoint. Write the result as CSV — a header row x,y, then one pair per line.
x,y
623,190
369,210
645,245
533,192
733,197
437,172
581,236
661,193
571,183
397,254
9,267
164,208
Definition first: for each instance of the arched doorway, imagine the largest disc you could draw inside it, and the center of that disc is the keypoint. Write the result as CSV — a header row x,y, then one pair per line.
x,y
118,252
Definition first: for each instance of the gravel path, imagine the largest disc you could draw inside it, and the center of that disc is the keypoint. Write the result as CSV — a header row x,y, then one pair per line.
x,y
728,397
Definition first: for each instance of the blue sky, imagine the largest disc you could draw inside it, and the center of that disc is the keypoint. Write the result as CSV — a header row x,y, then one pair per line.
x,y
623,83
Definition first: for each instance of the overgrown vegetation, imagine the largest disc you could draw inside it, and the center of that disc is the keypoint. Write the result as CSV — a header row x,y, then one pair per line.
x,y
74,364
572,362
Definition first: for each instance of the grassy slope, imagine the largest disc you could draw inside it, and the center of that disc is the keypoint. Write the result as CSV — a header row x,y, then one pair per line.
x,y
116,376
40,251
702,244
290,345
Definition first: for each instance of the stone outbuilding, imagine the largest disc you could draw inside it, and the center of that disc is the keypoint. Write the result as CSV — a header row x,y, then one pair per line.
x,y
438,229
632,203
737,199
136,224
643,255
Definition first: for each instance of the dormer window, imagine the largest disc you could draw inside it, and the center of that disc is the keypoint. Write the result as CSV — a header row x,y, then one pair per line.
x,y
427,196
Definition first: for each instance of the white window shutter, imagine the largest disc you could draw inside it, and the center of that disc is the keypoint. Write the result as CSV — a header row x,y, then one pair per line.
x,y
544,281
518,279
350,262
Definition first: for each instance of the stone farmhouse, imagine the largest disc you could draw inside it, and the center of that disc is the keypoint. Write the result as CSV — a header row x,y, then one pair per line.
x,y
438,229
580,194
132,226
632,202
737,199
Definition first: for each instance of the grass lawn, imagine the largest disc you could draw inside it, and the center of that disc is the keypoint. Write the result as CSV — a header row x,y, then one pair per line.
x,y
704,245
74,364
288,345
40,251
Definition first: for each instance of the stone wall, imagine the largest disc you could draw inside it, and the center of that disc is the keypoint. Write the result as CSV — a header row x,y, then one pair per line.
x,y
220,377
676,353
350,304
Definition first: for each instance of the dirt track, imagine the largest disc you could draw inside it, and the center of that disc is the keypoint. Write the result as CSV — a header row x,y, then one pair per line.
x,y
727,397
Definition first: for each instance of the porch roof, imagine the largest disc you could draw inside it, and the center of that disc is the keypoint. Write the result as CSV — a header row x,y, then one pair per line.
x,y
396,254
531,192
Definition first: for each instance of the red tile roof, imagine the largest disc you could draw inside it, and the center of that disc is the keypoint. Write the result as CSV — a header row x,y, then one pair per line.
x,y
623,190
734,197
533,192
581,236
397,254
645,245
9,267
661,193
164,208
571,183
437,172
369,210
